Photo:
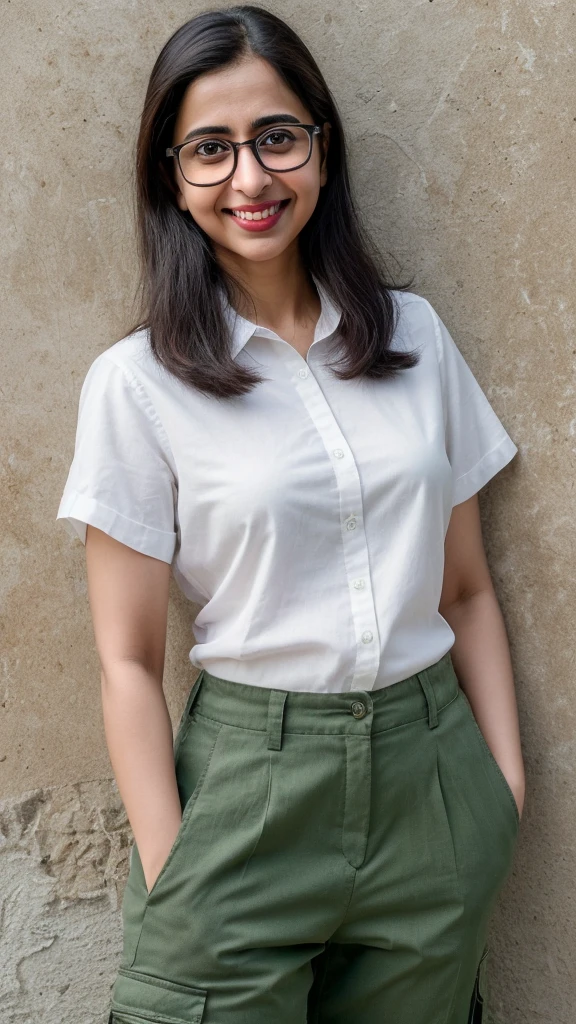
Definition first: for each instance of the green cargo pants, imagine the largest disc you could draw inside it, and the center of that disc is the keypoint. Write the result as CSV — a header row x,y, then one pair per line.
x,y
338,861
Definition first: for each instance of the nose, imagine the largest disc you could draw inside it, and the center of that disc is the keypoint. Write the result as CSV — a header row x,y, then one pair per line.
x,y
249,177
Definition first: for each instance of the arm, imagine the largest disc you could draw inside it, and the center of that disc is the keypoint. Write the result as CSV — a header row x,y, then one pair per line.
x,y
480,653
128,594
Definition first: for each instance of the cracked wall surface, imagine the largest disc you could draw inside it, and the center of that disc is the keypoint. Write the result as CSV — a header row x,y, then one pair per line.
x,y
461,120
64,853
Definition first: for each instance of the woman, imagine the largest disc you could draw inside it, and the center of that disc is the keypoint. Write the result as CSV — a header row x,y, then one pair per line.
x,y
327,837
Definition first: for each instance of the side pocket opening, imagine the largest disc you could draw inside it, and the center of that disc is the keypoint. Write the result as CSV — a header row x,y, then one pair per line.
x,y
133,908
478,1004
190,785
495,766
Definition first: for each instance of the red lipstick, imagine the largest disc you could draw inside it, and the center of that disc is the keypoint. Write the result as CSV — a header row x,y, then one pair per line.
x,y
264,223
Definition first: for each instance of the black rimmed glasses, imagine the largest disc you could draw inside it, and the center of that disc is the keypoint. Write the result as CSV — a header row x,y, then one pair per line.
x,y
208,161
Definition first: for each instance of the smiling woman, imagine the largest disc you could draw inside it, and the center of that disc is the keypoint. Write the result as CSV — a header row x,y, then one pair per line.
x,y
301,444
204,157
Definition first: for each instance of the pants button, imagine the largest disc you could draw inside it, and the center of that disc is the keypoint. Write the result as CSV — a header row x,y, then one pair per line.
x,y
358,709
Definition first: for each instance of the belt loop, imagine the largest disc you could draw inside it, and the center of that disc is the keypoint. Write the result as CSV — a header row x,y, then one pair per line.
x,y
193,694
276,702
185,718
430,698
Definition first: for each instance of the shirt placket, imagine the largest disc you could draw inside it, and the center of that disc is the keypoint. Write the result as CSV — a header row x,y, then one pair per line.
x,y
351,522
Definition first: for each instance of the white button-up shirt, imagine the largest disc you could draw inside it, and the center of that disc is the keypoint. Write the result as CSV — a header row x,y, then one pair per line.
x,y
307,518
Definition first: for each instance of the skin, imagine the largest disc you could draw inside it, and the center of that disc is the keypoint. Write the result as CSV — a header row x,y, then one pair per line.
x,y
128,591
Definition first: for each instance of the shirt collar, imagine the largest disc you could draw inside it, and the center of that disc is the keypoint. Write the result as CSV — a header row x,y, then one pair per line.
x,y
243,329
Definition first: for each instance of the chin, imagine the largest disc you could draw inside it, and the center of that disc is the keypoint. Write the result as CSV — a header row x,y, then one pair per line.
x,y
258,251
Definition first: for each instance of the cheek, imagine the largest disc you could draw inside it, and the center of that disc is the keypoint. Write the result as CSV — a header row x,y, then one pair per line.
x,y
308,185
202,210
307,196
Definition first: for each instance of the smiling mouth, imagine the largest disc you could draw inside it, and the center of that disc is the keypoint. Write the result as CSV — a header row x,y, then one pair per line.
x,y
264,214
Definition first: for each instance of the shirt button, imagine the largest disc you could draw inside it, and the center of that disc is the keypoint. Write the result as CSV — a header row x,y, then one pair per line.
x,y
367,636
358,584
351,524
338,453
358,709
302,372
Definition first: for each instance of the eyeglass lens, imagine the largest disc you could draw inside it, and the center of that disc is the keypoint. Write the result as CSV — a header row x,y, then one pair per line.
x,y
210,160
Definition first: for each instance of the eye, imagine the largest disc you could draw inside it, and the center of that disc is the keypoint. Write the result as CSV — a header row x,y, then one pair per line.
x,y
211,148
277,137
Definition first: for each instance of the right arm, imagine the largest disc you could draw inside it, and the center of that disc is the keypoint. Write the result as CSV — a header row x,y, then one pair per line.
x,y
128,595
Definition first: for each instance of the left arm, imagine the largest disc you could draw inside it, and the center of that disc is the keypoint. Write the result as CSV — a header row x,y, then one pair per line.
x,y
480,653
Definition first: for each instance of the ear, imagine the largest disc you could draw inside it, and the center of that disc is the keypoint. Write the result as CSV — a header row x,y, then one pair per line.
x,y
325,143
181,201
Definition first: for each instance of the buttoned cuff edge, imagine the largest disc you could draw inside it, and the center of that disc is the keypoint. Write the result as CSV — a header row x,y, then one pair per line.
x,y
78,510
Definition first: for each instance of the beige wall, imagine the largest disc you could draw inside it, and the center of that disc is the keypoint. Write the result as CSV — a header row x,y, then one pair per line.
x,y
461,118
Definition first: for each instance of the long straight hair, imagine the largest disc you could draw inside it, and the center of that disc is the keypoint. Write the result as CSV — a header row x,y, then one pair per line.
x,y
179,273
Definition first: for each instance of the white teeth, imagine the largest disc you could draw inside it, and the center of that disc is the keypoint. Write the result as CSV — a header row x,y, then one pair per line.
x,y
259,215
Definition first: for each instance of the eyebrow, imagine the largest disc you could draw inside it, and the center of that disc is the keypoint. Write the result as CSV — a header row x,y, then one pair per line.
x,y
224,129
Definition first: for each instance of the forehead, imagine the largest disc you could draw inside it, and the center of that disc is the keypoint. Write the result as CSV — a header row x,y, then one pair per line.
x,y
236,95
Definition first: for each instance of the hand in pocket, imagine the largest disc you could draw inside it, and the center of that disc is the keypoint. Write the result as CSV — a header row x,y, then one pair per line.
x,y
518,792
153,860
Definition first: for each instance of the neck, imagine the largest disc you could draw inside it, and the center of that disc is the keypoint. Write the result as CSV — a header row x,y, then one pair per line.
x,y
282,294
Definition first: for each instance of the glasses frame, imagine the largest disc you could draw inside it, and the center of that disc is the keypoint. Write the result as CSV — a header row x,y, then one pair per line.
x,y
312,129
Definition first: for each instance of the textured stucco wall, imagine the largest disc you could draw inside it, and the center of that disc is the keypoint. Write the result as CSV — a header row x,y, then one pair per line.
x,y
461,118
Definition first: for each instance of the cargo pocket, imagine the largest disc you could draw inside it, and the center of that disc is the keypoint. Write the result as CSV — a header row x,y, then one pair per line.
x,y
478,1006
144,999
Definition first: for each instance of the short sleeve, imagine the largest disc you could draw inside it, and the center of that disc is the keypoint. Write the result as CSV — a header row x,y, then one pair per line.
x,y
120,479
477,445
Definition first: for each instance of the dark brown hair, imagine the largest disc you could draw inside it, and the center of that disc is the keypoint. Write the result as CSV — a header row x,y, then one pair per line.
x,y
178,269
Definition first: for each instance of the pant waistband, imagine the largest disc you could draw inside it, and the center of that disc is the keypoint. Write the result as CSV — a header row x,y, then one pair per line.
x,y
359,712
